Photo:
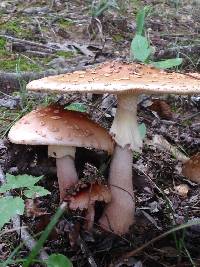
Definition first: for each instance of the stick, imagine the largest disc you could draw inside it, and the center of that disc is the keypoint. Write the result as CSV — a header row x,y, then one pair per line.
x,y
27,239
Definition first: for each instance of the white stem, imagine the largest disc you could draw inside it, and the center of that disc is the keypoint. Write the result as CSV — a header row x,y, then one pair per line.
x,y
119,213
89,217
125,127
66,171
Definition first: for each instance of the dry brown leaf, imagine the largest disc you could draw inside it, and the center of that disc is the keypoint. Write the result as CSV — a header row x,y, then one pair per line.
x,y
162,109
32,208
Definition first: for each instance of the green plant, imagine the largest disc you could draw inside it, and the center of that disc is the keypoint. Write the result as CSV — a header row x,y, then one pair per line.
x,y
10,206
77,107
103,5
58,260
44,237
141,50
2,43
54,260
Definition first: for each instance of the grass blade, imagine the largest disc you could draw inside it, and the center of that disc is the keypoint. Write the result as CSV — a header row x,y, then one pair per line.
x,y
45,235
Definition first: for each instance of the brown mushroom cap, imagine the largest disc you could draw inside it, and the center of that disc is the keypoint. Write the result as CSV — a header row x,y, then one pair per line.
x,y
191,168
54,125
118,77
87,194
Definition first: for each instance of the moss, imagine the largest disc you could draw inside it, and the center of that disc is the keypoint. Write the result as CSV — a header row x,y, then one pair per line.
x,y
63,23
18,27
9,64
65,54
118,38
2,43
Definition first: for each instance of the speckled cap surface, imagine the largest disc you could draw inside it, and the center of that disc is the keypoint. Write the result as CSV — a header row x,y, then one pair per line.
x,y
118,77
54,125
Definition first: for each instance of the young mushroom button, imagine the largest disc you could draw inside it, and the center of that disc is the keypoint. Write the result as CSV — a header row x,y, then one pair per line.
x,y
127,80
84,197
62,131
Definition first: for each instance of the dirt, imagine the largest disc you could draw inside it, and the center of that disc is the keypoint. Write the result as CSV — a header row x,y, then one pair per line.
x,y
64,38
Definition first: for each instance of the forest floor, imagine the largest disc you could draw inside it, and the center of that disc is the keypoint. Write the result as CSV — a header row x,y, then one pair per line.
x,y
39,38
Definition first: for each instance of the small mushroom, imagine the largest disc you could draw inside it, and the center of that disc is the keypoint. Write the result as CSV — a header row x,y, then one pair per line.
x,y
62,131
191,168
84,196
127,80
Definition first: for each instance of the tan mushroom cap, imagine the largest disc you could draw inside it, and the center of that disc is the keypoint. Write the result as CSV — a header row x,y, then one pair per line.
x,y
118,77
191,168
54,125
87,194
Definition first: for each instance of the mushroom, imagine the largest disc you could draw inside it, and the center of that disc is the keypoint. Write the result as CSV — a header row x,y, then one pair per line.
x,y
62,130
84,196
191,168
127,80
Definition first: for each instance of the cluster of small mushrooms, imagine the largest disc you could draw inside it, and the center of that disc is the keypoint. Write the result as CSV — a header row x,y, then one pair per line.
x,y
64,130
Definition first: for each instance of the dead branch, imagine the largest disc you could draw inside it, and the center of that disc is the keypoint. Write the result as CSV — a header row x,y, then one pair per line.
x,y
172,52
9,82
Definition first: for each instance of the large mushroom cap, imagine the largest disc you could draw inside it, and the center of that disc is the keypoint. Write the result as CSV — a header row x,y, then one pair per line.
x,y
118,77
54,125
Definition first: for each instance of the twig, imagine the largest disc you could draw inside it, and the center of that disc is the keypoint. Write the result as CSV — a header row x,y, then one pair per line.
x,y
52,46
14,39
172,52
85,250
191,116
27,239
177,228
11,230
160,142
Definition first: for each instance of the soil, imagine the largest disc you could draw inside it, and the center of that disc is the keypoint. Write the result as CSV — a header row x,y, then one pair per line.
x,y
64,37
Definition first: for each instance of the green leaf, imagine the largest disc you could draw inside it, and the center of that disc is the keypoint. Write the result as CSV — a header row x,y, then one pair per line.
x,y
58,260
140,19
77,107
36,191
19,181
168,63
9,207
142,130
140,48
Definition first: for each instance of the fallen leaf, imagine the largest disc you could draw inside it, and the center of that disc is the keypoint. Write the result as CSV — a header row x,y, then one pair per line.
x,y
32,209
162,108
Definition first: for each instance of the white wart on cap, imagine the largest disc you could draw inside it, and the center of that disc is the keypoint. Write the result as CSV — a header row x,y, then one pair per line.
x,y
118,77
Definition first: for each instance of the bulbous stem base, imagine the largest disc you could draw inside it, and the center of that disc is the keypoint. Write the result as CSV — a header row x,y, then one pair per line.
x,y
119,213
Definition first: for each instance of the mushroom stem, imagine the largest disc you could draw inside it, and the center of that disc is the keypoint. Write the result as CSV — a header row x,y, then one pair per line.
x,y
66,173
89,217
125,127
119,213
